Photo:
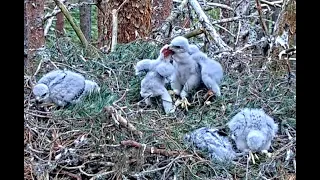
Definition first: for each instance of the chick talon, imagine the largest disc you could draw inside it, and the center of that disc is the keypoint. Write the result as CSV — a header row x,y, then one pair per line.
x,y
251,156
171,92
266,153
185,103
210,93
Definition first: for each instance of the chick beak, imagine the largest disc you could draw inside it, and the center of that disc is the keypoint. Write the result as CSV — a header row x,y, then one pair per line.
x,y
170,47
37,99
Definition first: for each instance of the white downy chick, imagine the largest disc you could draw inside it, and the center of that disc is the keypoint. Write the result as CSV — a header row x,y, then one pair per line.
x,y
62,87
187,74
90,87
211,70
253,130
147,65
153,84
209,140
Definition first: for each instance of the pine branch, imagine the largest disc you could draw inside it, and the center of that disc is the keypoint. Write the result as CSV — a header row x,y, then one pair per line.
x,y
76,28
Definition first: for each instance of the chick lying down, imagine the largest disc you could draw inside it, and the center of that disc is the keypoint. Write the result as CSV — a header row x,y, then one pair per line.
x,y
63,87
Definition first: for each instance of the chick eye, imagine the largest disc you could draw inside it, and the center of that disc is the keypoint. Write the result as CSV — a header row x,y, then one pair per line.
x,y
178,47
43,95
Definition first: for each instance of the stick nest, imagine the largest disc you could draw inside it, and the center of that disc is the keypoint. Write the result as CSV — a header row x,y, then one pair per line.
x,y
87,140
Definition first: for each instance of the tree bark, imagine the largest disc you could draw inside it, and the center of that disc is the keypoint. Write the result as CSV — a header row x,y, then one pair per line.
x,y
25,33
60,24
85,19
25,25
134,20
35,32
102,23
161,9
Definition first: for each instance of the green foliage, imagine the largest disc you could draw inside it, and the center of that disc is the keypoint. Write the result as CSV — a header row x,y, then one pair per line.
x,y
90,105
214,13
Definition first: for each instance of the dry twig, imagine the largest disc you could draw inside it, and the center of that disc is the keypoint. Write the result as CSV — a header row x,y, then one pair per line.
x,y
153,150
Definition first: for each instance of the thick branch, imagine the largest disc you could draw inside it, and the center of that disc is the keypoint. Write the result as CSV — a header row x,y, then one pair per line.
x,y
73,24
208,26
194,33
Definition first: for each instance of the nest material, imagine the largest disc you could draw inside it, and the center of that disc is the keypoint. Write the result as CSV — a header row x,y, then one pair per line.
x,y
80,142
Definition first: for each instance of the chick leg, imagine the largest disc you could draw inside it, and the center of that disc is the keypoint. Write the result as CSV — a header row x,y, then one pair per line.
x,y
147,101
167,102
192,83
176,86
212,85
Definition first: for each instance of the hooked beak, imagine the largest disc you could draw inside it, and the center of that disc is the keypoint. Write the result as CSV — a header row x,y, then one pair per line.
x,y
170,47
37,99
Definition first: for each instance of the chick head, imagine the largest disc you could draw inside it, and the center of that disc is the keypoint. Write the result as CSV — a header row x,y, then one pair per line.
x,y
41,92
256,140
179,45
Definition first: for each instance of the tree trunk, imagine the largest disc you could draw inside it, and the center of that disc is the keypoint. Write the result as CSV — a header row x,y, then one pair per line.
x,y
134,20
101,23
288,16
60,24
85,19
35,31
25,33
161,9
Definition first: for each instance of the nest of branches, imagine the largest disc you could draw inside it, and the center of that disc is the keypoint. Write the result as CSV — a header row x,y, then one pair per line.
x,y
109,136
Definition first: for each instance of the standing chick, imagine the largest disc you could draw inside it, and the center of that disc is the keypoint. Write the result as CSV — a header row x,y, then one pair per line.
x,y
63,87
187,73
253,130
209,140
153,84
211,70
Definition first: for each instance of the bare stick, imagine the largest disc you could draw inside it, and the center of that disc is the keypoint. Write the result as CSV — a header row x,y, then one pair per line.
x,y
232,19
46,29
153,150
208,26
114,40
114,29
112,112
220,6
161,168
274,3
263,24
78,31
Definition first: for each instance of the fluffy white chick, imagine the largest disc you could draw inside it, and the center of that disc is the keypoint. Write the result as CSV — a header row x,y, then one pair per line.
x,y
90,87
63,87
147,65
211,70
153,84
187,74
253,130
209,140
